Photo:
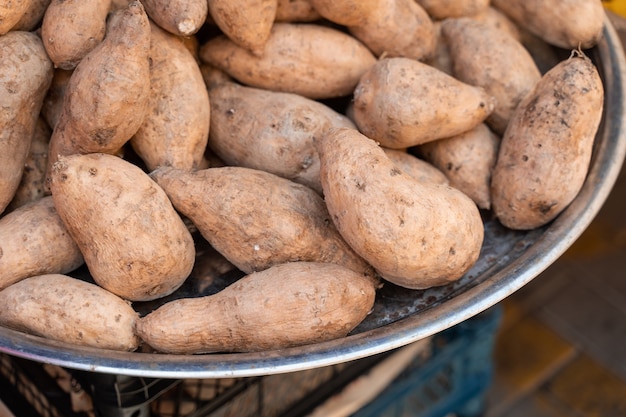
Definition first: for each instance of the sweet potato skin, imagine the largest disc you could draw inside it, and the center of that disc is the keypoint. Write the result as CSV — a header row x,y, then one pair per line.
x,y
287,305
25,75
415,234
179,17
270,131
175,130
546,150
133,241
257,219
332,67
401,102
35,241
72,28
69,310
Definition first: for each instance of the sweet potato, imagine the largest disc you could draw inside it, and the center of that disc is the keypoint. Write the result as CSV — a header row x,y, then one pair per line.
x,y
401,102
415,167
287,305
69,310
53,102
346,12
270,131
106,99
256,219
397,28
31,185
25,75
180,17
32,17
175,130
566,24
415,234
35,241
10,14
467,160
72,28
331,67
546,150
246,23
133,241
442,9
483,55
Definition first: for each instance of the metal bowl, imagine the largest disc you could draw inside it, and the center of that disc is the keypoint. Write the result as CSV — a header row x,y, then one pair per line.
x,y
509,260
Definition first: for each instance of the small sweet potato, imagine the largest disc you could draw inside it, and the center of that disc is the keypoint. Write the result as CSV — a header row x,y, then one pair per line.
x,y
179,17
442,9
287,305
270,131
307,59
256,219
246,23
175,130
25,75
416,234
69,310
467,160
401,102
546,150
72,28
35,241
134,243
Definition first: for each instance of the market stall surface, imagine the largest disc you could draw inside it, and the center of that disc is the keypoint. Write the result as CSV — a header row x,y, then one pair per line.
x,y
561,347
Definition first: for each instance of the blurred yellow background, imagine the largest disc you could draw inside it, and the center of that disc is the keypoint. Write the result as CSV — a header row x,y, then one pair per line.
x,y
616,6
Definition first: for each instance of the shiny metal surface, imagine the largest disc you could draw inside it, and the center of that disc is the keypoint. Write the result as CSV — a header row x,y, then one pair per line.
x,y
509,260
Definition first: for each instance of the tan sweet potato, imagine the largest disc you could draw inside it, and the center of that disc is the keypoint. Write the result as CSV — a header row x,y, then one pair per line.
x,y
31,185
31,19
132,239
546,150
487,57
106,99
180,17
246,23
72,28
270,131
495,18
346,12
10,14
66,309
401,102
34,241
331,67
467,160
415,234
397,28
296,11
566,24
175,130
287,305
257,219
25,75
442,9
415,167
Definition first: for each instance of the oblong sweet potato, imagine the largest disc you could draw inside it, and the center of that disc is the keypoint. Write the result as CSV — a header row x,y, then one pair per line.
x,y
287,305
133,241
180,17
331,67
415,234
175,130
35,241
546,150
25,75
256,219
69,310
401,102
270,131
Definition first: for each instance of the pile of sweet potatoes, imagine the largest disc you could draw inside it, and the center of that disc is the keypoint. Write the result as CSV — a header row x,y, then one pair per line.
x,y
322,148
